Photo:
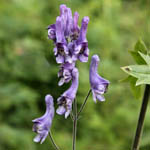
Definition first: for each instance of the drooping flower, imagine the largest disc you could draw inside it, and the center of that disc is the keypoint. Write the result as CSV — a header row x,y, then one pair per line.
x,y
81,47
42,125
65,73
98,84
66,99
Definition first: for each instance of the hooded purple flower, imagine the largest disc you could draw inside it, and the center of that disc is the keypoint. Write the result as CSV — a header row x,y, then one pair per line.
x,y
69,23
81,47
98,84
42,125
65,73
75,29
66,15
66,99
61,49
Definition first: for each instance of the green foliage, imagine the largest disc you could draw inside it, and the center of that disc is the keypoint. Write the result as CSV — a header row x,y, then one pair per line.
x,y
141,71
146,58
139,47
138,74
26,76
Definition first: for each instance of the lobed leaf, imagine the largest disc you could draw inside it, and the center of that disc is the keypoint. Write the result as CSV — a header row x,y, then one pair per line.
x,y
139,47
136,56
141,72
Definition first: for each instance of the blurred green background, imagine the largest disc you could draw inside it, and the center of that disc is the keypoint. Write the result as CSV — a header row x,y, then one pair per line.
x,y
26,76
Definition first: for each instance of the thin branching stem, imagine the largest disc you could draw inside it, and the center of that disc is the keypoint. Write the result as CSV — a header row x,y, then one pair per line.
x,y
141,119
52,140
76,116
83,105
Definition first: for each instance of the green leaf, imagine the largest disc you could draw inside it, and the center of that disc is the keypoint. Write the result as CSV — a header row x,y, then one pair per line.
x,y
140,46
136,56
145,57
143,81
141,72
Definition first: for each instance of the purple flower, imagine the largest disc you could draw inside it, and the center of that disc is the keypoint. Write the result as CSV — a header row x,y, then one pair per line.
x,y
99,85
42,125
66,99
82,36
70,41
52,32
81,47
61,49
65,73
66,15
75,29
69,23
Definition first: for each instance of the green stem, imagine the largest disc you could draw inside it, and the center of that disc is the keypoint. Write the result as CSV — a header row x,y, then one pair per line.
x,y
52,140
76,116
74,125
72,116
83,105
141,119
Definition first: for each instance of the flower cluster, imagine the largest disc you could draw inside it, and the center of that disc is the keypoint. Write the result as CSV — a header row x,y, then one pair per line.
x,y
70,42
70,45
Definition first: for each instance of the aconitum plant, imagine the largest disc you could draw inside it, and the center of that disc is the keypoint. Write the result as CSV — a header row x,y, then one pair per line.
x,y
70,45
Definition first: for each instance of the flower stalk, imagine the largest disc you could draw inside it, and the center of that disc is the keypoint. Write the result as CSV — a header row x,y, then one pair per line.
x,y
74,125
141,118
52,140
75,118
83,105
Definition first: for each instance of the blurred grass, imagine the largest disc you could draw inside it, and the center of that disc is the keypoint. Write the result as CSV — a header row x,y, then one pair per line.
x,y
26,76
